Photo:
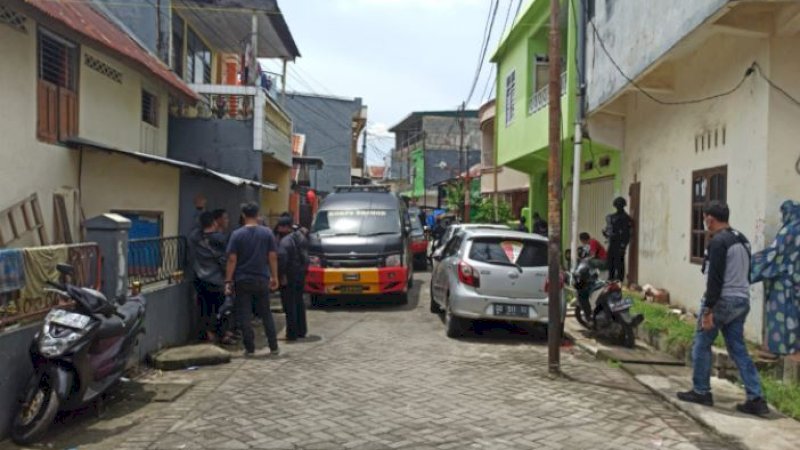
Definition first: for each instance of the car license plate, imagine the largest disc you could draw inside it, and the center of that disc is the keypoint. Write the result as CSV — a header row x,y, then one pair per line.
x,y
511,310
621,305
351,289
69,319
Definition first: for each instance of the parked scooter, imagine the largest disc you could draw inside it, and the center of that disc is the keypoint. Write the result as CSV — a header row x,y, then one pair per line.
x,y
78,354
601,306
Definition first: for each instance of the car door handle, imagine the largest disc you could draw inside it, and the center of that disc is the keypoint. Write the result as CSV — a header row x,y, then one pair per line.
x,y
513,275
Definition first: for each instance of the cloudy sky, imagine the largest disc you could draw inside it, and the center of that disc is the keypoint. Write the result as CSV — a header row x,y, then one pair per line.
x,y
398,55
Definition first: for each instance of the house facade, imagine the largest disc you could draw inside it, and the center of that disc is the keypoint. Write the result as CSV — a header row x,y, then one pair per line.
x,y
88,124
510,186
428,152
332,127
702,123
522,119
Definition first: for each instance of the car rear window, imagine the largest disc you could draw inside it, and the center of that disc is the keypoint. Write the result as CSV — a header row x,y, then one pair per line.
x,y
525,253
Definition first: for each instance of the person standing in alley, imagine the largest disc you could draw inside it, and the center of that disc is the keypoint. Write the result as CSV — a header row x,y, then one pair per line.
x,y
251,273
293,264
208,264
618,232
724,307
778,266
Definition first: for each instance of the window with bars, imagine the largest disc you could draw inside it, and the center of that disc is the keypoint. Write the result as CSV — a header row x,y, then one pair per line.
x,y
149,108
198,60
511,89
541,72
707,185
57,98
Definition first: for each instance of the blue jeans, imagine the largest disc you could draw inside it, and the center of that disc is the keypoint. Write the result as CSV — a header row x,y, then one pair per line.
x,y
729,317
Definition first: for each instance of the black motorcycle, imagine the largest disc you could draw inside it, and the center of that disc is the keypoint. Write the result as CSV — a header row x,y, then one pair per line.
x,y
83,348
601,306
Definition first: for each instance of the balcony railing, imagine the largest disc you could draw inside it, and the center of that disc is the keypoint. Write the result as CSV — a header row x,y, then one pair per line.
x,y
30,302
272,127
156,260
541,98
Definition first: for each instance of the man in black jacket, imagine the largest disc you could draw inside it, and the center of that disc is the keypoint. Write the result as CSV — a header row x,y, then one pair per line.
x,y
724,308
208,259
618,232
293,264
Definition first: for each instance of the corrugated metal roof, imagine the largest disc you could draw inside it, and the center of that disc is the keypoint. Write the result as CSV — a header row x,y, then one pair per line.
x,y
94,26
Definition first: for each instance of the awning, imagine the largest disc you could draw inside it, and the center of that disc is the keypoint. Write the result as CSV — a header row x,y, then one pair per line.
x,y
226,24
309,161
80,143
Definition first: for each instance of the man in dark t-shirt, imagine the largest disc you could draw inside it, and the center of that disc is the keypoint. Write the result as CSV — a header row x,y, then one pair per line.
x,y
252,272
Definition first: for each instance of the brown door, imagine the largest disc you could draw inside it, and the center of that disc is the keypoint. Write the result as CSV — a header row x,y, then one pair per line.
x,y
634,193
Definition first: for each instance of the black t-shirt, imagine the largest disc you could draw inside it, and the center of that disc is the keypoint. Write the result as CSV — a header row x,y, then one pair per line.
x,y
252,245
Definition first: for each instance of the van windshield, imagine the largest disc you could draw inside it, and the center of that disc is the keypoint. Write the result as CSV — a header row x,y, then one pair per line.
x,y
361,222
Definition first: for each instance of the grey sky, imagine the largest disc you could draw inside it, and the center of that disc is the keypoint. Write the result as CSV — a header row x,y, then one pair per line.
x,y
398,55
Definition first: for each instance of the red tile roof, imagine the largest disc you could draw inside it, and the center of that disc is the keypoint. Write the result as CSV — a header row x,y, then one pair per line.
x,y
91,24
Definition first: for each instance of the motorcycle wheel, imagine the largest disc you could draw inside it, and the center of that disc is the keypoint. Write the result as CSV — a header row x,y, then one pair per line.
x,y
581,319
36,414
628,336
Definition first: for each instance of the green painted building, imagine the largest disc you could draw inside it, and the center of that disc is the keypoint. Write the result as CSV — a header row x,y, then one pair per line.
x,y
522,123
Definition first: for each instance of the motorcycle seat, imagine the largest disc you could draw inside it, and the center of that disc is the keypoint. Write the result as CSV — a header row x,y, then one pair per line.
x,y
110,327
131,311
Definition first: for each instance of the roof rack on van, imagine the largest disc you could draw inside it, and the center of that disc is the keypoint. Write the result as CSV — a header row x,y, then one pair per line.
x,y
362,188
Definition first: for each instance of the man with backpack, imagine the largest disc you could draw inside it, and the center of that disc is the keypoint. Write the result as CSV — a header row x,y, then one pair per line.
x,y
293,264
618,232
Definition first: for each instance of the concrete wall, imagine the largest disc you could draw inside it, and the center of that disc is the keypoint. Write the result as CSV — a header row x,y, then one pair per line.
x,y
444,133
275,202
17,370
660,152
219,144
326,122
171,318
507,180
117,182
783,155
220,195
636,34
111,112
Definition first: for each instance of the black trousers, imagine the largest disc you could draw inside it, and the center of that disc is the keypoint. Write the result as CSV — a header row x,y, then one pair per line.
x,y
254,296
210,297
295,308
616,261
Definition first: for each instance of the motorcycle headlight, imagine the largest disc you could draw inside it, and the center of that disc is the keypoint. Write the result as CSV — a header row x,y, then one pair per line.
x,y
55,339
393,261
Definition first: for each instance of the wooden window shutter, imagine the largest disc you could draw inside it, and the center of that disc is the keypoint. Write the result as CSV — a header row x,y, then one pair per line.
x,y
67,114
47,112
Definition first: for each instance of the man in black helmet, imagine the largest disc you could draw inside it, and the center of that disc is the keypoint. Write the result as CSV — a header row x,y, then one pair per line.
x,y
618,231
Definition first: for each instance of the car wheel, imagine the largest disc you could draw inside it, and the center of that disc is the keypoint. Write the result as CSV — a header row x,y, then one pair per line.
x,y
454,326
435,308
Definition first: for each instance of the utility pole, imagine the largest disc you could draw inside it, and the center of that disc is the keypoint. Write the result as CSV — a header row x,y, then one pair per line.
x,y
364,155
579,119
554,196
462,161
254,48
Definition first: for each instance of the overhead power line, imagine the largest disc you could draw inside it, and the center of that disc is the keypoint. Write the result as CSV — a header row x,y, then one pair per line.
x,y
750,70
484,48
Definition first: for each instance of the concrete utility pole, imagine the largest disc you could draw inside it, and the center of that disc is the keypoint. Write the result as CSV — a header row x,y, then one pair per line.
x,y
364,155
254,47
462,162
554,196
579,119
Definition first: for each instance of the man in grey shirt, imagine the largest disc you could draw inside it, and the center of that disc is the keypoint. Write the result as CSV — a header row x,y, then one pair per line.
x,y
724,308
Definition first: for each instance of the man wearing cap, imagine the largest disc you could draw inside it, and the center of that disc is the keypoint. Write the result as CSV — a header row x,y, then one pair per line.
x,y
292,264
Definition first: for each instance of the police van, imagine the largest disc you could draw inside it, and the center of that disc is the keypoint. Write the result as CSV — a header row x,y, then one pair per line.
x,y
359,245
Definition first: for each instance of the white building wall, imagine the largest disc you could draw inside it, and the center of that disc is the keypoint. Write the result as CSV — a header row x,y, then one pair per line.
x,y
28,166
660,152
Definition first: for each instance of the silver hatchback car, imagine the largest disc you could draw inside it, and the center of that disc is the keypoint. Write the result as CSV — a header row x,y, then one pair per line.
x,y
491,274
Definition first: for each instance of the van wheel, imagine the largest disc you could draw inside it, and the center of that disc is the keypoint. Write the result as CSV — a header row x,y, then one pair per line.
x,y
316,301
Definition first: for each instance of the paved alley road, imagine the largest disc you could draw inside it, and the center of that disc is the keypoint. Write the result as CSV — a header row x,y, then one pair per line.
x,y
387,377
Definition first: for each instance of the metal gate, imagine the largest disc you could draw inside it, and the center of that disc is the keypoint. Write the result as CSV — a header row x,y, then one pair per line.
x,y
595,203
